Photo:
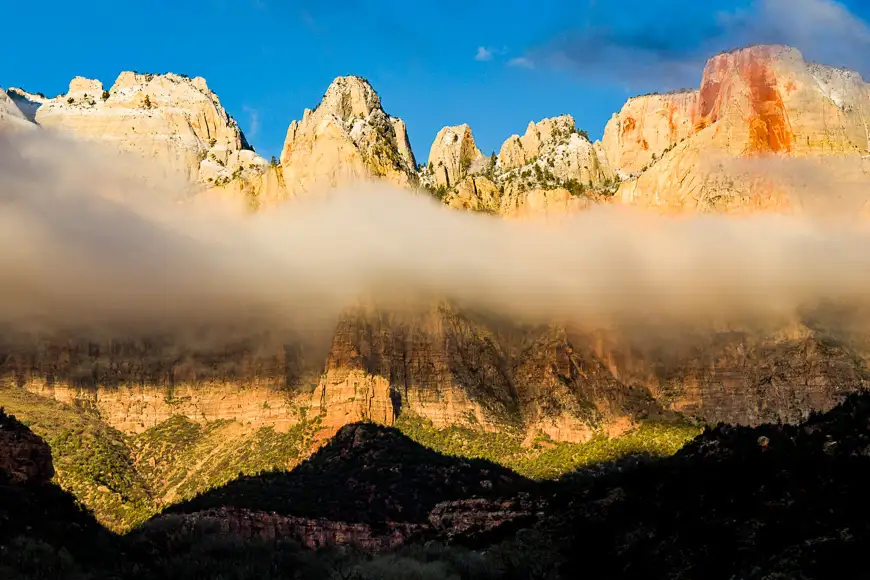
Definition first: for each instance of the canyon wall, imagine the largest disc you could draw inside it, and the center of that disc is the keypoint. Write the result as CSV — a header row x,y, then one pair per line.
x,y
687,151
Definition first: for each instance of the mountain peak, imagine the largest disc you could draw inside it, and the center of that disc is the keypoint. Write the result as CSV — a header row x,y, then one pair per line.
x,y
350,96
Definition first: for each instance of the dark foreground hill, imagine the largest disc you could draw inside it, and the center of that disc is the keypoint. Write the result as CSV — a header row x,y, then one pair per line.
x,y
367,473
771,502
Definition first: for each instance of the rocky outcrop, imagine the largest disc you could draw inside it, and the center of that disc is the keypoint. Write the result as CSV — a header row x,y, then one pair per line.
x,y
554,145
451,519
480,516
452,155
551,170
172,119
346,139
757,102
24,456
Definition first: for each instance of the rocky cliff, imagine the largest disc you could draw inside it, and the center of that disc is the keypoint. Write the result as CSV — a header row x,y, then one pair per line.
x,y
347,138
646,127
691,149
452,154
171,118
556,142
553,169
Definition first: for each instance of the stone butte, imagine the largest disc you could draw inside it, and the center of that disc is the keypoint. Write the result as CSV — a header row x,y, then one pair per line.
x,y
173,119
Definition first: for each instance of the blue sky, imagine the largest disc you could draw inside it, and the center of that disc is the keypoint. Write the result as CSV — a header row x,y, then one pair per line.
x,y
493,65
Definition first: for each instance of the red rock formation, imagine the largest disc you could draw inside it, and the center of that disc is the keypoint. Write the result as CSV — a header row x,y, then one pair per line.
x,y
756,101
751,71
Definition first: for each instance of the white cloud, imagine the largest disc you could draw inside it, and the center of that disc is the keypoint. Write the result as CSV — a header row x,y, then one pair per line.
x,y
670,54
825,30
522,62
483,54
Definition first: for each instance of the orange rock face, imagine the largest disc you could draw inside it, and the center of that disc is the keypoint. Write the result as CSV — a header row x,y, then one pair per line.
x,y
750,72
757,102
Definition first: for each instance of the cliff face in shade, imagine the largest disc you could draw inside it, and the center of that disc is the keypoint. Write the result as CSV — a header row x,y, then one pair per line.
x,y
754,103
740,377
170,118
11,116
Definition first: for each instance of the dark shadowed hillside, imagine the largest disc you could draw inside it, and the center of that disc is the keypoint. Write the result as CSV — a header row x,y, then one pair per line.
x,y
770,502
367,473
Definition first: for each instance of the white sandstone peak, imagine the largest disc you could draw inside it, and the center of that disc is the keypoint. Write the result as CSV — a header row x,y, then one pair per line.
x,y
347,137
168,117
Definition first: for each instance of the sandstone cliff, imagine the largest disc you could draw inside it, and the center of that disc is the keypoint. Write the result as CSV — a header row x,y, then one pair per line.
x,y
646,127
173,119
757,102
347,138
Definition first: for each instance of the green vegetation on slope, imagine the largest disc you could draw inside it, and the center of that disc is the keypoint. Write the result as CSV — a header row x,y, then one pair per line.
x,y
91,459
546,459
181,458
126,480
